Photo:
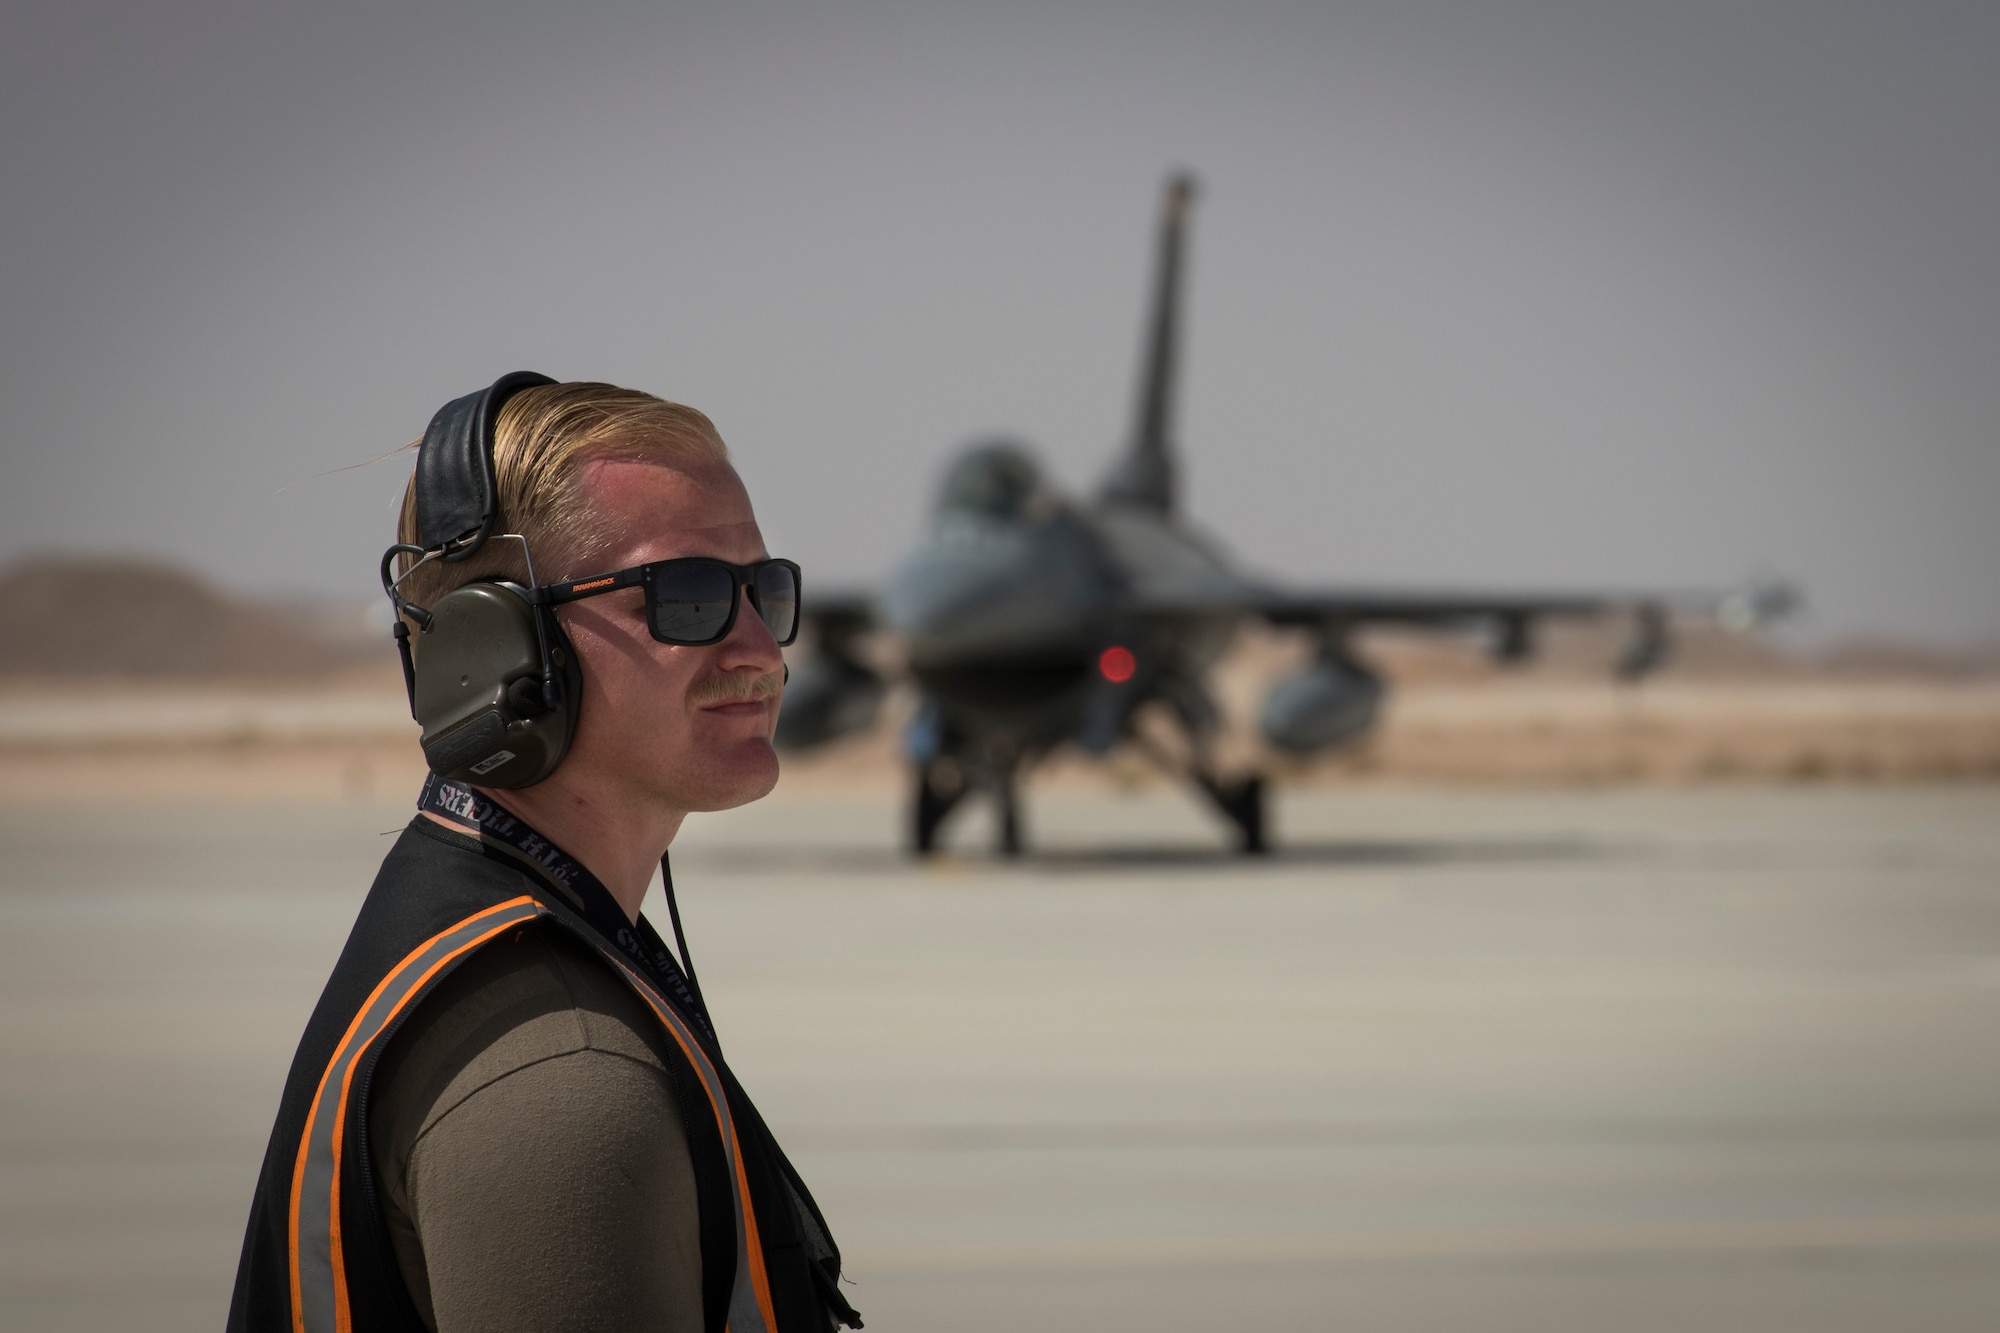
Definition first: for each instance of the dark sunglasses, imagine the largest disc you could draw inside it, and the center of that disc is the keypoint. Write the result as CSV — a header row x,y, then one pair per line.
x,y
693,601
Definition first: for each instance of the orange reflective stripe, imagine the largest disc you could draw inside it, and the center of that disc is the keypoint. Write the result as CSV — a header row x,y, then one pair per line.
x,y
318,1259
318,1272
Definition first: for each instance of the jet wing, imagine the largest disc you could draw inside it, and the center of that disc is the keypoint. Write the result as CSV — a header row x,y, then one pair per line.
x,y
1512,616
839,613
1741,608
1440,609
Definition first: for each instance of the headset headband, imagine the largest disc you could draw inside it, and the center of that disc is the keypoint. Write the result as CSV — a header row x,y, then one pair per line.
x,y
457,498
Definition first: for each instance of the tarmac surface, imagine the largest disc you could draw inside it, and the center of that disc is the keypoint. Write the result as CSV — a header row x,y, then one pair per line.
x,y
1632,1059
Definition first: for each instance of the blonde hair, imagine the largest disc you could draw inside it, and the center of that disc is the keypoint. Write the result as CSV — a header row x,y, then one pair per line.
x,y
541,440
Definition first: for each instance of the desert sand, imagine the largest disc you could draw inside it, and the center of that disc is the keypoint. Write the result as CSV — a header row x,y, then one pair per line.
x,y
353,738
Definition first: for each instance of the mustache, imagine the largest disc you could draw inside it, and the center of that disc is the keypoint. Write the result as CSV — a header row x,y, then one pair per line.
x,y
728,688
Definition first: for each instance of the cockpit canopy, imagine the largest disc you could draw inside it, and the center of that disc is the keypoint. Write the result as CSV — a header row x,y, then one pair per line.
x,y
999,479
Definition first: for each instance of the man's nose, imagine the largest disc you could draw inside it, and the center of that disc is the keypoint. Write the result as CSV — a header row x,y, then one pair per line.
x,y
750,642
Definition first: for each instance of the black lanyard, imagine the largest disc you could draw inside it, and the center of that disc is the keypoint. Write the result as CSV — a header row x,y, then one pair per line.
x,y
464,808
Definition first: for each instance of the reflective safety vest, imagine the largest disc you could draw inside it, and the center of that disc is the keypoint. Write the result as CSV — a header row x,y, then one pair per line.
x,y
317,1256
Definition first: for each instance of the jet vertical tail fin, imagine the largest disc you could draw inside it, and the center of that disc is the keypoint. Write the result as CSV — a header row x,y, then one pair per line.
x,y
1145,475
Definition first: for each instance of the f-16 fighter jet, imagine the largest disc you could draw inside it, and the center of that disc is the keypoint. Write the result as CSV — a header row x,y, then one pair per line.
x,y
1030,621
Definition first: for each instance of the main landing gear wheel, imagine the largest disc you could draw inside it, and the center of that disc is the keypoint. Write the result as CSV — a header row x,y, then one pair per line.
x,y
1010,817
1243,804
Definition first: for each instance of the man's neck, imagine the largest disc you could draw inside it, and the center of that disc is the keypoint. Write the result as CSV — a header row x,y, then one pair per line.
x,y
619,841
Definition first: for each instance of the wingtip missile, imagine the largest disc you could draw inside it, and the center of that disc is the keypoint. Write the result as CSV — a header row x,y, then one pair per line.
x,y
1757,604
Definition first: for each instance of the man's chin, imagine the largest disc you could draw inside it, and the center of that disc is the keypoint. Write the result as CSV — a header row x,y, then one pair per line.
x,y
746,773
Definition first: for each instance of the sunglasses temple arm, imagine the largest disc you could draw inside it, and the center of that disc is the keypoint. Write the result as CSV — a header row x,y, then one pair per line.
x,y
556,594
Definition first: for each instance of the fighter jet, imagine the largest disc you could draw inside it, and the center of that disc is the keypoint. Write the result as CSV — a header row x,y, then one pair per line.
x,y
1030,621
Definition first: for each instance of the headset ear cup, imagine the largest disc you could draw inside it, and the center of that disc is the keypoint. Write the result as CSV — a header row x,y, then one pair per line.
x,y
568,676
481,668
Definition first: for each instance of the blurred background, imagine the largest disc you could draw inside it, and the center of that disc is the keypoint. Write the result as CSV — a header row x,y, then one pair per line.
x,y
1566,1004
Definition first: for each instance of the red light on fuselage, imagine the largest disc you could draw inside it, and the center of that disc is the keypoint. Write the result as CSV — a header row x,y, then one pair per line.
x,y
1117,664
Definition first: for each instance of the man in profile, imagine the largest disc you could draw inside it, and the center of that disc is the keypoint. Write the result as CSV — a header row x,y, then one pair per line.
x,y
509,1111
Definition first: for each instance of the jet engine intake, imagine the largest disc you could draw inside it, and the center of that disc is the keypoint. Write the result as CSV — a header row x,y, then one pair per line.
x,y
828,697
1331,702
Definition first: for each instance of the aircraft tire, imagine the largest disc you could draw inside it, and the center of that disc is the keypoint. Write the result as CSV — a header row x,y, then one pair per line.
x,y
1247,809
1010,822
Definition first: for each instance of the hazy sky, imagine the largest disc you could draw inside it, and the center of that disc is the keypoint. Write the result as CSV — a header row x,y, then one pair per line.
x,y
1485,294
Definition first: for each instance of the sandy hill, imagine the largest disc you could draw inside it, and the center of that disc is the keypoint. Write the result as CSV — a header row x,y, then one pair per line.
x,y
111,616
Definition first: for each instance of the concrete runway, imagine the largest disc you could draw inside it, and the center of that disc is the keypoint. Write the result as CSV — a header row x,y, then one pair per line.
x,y
1635,1060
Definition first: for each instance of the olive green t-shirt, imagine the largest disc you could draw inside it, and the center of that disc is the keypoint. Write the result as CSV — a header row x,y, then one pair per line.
x,y
530,1153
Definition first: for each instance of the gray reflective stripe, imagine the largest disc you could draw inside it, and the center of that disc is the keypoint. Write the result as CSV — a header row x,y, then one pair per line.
x,y
319,1278
749,1297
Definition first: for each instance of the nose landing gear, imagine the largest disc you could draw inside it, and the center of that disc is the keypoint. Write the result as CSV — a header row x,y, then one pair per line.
x,y
940,787
1242,803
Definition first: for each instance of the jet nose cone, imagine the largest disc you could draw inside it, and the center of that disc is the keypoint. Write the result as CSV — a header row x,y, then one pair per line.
x,y
961,574
979,587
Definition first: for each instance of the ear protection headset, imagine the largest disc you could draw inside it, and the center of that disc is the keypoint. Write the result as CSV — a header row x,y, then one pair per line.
x,y
492,678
